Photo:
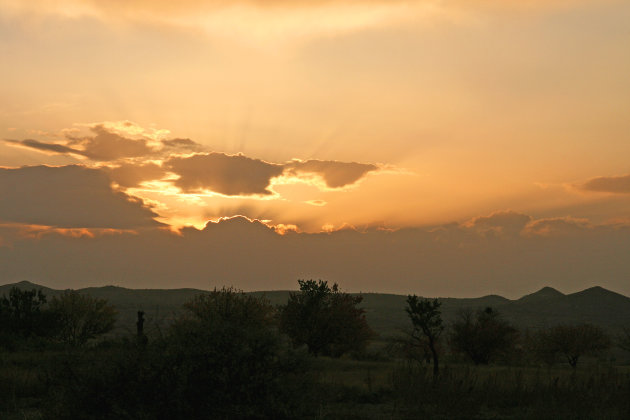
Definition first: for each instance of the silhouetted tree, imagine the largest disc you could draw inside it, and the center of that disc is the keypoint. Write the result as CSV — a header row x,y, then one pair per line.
x,y
571,342
482,335
325,319
23,313
81,317
427,325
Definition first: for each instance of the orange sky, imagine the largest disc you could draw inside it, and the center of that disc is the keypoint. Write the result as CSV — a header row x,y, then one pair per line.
x,y
315,116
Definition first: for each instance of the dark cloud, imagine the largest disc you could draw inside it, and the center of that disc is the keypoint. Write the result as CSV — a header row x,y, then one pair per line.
x,y
610,184
46,147
68,196
182,145
225,174
335,174
240,175
108,146
217,172
104,146
130,175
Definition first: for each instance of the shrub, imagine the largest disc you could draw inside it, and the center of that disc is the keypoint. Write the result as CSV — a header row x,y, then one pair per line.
x,y
325,319
222,358
81,317
482,336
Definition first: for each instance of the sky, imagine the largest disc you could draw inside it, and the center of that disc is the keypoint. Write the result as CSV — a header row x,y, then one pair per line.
x,y
437,147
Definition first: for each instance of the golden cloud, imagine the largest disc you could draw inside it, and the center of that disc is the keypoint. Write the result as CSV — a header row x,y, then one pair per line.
x,y
609,184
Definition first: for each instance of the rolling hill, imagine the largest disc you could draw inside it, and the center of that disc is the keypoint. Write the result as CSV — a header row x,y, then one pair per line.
x,y
385,312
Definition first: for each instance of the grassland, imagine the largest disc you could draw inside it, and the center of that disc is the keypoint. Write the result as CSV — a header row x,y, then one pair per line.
x,y
379,384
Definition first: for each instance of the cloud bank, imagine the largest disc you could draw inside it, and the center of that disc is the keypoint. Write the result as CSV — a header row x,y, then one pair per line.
x,y
68,196
455,259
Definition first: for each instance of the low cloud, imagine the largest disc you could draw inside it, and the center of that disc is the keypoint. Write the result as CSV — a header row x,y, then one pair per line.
x,y
69,197
560,226
609,184
224,174
251,255
335,174
502,222
130,175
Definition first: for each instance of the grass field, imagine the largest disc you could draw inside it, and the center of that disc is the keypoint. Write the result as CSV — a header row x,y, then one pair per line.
x,y
375,384
394,389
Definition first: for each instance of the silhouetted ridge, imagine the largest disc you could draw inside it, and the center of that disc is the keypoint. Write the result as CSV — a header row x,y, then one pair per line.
x,y
385,312
25,285
495,299
599,293
545,293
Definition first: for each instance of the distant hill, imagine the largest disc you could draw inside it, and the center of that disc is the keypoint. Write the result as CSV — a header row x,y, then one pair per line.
x,y
543,294
385,312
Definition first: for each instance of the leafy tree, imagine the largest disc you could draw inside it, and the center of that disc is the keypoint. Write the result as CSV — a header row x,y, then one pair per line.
x,y
325,319
571,342
427,325
23,313
81,317
482,336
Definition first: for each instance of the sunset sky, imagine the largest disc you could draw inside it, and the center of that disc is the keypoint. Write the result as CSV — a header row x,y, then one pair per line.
x,y
444,148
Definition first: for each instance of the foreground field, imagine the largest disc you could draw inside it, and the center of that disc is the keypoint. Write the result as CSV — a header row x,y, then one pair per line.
x,y
231,355
384,389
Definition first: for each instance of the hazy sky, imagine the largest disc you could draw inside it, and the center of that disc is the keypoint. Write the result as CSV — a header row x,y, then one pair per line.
x,y
462,146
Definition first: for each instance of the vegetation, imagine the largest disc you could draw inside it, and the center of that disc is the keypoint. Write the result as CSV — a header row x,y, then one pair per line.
x,y
23,318
325,319
482,336
224,356
624,339
427,326
570,342
81,317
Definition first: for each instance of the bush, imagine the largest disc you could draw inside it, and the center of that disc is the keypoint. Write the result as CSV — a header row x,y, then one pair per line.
x,y
482,336
325,319
24,319
570,342
223,358
81,317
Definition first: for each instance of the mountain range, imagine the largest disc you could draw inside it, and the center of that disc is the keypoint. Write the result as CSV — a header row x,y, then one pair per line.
x,y
385,312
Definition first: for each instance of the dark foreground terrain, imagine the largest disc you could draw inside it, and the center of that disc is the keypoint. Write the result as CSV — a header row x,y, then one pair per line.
x,y
226,357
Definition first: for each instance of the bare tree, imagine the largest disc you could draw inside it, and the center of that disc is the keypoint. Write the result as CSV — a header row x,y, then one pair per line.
x,y
572,342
